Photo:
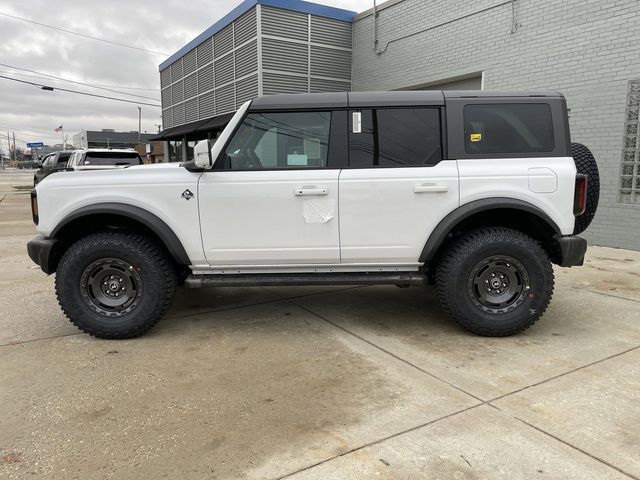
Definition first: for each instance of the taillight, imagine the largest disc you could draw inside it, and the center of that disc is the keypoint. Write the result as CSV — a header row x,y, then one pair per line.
x,y
34,206
580,196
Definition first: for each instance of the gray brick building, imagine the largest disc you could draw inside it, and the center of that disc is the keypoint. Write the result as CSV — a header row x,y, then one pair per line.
x,y
587,49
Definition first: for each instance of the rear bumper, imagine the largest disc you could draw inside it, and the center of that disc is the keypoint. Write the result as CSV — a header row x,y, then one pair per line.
x,y
572,250
42,251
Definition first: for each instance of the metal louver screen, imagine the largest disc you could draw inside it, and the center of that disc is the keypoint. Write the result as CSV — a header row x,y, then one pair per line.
x,y
167,118
225,99
178,114
245,27
165,77
246,59
284,23
205,52
191,86
223,41
176,70
207,105
191,110
274,83
321,85
330,63
330,32
223,70
246,89
177,92
166,97
189,62
205,78
285,56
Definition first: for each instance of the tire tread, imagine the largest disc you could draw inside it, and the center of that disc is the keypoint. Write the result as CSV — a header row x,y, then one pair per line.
x,y
167,281
461,249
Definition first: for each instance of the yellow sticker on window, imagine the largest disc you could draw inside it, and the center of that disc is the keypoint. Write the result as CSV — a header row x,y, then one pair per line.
x,y
475,137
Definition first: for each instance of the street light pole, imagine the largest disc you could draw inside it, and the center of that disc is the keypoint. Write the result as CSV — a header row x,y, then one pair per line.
x,y
139,123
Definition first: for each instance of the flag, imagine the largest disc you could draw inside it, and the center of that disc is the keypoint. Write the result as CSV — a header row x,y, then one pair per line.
x,y
59,129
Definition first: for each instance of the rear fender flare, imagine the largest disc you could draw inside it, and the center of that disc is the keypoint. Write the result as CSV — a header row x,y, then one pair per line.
x,y
439,235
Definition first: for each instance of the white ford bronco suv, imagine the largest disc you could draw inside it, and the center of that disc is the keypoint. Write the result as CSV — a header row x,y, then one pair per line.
x,y
475,192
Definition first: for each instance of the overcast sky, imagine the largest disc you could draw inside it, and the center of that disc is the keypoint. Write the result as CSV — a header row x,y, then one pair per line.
x,y
159,25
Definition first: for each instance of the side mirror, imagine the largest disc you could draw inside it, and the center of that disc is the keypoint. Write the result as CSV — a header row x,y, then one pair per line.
x,y
202,154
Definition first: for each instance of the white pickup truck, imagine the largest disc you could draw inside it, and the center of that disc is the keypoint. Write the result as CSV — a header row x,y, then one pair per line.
x,y
475,192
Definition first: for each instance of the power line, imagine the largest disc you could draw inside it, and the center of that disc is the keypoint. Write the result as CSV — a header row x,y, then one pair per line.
x,y
117,44
72,81
47,87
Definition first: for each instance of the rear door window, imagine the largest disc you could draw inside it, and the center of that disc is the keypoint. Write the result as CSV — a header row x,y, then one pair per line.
x,y
111,159
395,137
508,128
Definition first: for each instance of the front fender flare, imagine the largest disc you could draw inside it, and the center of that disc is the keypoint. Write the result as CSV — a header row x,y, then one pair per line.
x,y
148,219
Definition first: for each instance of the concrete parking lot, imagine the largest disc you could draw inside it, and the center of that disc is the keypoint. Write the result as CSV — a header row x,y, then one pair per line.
x,y
318,383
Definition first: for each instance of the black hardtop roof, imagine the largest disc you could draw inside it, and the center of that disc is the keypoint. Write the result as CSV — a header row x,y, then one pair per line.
x,y
398,98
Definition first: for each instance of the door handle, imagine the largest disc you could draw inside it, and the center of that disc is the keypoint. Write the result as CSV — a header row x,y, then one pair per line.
x,y
430,188
298,192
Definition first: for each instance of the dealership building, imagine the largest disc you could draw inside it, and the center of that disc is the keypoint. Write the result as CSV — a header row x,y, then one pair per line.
x,y
587,49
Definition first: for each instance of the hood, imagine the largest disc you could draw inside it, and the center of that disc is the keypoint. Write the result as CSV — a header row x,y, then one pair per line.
x,y
152,173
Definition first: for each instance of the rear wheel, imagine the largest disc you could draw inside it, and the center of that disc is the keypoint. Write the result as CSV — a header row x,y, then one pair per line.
x,y
495,281
115,285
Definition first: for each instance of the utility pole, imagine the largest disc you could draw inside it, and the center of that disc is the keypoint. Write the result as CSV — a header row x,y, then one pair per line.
x,y
9,145
15,153
139,123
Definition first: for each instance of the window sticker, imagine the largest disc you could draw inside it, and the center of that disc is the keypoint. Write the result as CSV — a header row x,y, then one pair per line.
x,y
297,160
357,122
475,137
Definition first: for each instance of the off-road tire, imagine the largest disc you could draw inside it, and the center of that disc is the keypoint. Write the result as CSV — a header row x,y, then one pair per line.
x,y
586,164
145,258
457,270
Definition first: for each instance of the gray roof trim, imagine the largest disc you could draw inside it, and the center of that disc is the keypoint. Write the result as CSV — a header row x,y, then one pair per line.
x,y
500,94
402,98
405,98
300,101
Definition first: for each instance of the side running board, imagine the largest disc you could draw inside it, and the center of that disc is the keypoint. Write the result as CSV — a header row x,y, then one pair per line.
x,y
404,279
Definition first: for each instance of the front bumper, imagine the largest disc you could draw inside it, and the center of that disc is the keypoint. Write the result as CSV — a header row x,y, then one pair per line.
x,y
572,250
43,252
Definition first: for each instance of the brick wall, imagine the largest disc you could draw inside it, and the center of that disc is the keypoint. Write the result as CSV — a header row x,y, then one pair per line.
x,y
587,49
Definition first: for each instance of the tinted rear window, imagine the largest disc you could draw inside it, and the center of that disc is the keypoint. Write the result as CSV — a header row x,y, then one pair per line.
x,y
508,128
111,158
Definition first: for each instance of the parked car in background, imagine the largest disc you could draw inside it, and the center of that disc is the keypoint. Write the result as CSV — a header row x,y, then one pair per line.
x,y
103,158
54,162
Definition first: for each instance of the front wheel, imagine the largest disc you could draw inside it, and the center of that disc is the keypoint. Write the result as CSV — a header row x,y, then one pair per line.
x,y
115,284
495,282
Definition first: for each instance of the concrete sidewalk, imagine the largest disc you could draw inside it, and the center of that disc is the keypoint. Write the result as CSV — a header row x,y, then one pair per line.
x,y
318,383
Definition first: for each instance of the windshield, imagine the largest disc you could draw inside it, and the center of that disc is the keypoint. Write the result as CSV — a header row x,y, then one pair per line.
x,y
111,158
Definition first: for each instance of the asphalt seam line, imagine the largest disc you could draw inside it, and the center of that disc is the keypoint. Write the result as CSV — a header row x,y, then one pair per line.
x,y
407,362
604,294
185,315
380,440
584,452
541,382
